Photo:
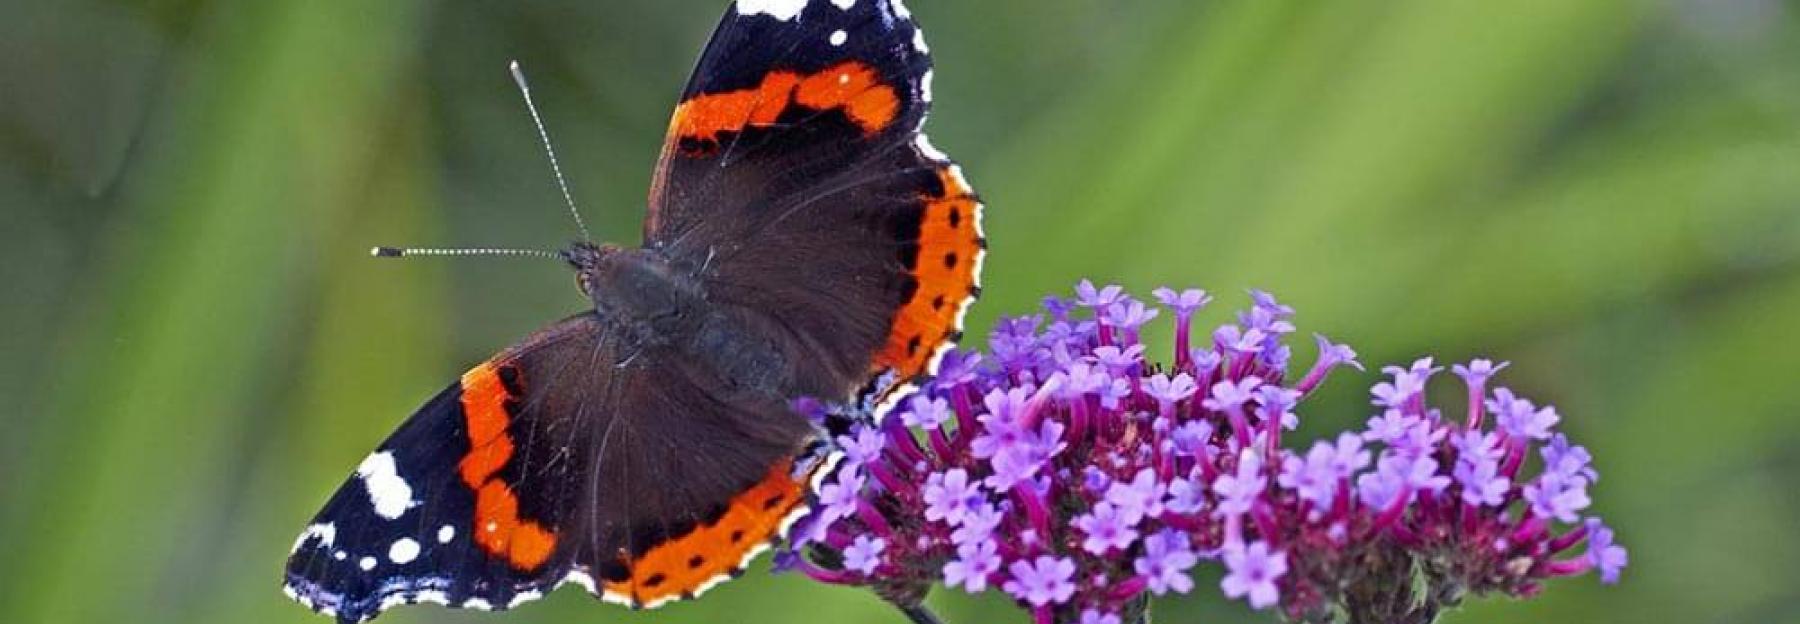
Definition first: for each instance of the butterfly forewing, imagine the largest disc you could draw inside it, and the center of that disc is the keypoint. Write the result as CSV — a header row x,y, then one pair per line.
x,y
796,175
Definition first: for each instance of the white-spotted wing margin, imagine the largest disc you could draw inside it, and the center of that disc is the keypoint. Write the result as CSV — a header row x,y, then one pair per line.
x,y
823,459
922,145
784,10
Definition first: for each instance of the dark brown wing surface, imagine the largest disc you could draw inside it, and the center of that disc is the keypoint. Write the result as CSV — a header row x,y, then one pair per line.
x,y
795,179
562,459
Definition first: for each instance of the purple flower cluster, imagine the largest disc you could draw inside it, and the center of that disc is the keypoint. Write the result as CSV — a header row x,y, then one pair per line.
x,y
1071,473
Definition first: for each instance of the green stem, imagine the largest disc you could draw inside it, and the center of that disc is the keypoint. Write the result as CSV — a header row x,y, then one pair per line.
x,y
919,614
1138,610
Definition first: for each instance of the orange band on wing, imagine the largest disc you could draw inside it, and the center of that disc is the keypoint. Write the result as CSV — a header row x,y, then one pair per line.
x,y
687,564
950,248
501,532
855,88
498,528
850,86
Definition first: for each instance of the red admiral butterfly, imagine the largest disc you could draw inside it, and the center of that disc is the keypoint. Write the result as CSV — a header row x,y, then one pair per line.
x,y
803,239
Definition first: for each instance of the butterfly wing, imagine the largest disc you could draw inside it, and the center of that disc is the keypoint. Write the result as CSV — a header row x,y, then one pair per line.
x,y
423,519
795,177
556,462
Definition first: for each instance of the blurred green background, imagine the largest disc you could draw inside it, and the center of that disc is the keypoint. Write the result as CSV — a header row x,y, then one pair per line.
x,y
197,348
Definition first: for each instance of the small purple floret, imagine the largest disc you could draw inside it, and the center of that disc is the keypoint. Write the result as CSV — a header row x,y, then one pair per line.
x,y
1238,491
1087,296
1252,572
1142,496
1606,556
1165,563
949,496
1558,496
926,412
864,554
1184,303
1042,581
1106,529
974,563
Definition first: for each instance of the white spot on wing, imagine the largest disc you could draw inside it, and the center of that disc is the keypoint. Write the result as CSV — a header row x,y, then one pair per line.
x,y
403,551
925,86
477,604
580,578
390,493
326,532
838,37
957,175
339,555
890,400
366,563
900,9
524,597
822,465
930,151
844,4
783,10
446,533
618,598
919,42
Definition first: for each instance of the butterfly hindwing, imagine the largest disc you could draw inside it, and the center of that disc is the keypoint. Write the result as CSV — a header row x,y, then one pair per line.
x,y
576,456
431,515
401,530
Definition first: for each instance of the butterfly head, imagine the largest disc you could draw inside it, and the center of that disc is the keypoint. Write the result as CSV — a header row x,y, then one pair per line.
x,y
586,259
637,288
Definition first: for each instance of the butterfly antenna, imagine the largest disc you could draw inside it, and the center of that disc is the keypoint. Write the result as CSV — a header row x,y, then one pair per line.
x,y
543,136
407,252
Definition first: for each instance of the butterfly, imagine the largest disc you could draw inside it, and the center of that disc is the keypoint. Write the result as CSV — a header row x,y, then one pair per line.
x,y
803,239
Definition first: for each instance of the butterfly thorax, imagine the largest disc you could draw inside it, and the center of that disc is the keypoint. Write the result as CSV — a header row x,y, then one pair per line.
x,y
640,292
655,303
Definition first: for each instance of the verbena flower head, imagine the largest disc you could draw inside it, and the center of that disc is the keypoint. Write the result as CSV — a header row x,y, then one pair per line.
x,y
1075,475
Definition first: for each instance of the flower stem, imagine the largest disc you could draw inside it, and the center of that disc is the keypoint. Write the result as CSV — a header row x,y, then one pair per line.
x,y
1138,610
919,613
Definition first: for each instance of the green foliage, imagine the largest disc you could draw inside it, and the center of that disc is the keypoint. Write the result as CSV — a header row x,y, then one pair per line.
x,y
196,349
